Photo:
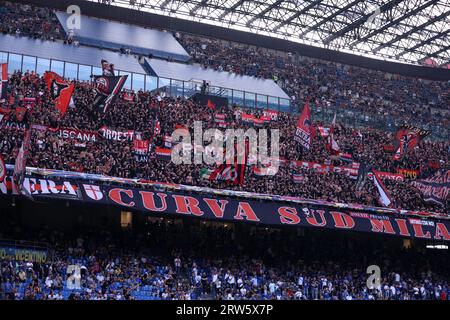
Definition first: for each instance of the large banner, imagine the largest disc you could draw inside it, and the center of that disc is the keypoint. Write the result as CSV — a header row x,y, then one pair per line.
x,y
167,200
435,189
272,114
11,125
408,173
141,149
41,187
23,254
75,134
303,131
116,135
324,168
275,213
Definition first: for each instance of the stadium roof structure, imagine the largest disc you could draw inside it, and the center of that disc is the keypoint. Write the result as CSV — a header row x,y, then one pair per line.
x,y
114,35
74,54
187,72
409,31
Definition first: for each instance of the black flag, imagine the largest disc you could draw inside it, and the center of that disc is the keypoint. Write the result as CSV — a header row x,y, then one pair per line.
x,y
107,89
362,176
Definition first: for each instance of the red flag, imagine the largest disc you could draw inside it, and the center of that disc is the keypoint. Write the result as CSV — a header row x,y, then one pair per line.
x,y
60,89
406,139
157,128
233,170
128,96
332,144
211,105
3,80
303,132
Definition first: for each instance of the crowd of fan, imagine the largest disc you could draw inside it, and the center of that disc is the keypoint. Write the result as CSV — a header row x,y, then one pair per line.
x,y
116,158
333,84
163,263
330,84
276,266
411,100
26,20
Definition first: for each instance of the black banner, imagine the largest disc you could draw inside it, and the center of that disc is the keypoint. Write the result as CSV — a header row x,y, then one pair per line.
x,y
275,213
210,100
42,187
223,208
436,188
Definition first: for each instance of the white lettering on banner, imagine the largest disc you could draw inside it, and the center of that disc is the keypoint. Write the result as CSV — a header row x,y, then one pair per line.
x,y
117,135
13,125
391,176
421,222
271,113
41,186
77,134
302,137
37,186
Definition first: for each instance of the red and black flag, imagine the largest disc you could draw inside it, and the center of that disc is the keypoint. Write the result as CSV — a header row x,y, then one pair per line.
x,y
4,81
107,89
332,144
61,91
156,128
4,114
211,105
436,188
303,133
128,96
406,139
233,170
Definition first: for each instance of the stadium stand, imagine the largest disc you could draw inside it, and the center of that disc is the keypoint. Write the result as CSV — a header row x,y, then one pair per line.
x,y
348,88
35,22
114,158
356,117
161,262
